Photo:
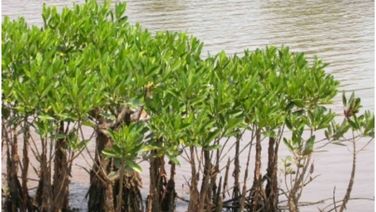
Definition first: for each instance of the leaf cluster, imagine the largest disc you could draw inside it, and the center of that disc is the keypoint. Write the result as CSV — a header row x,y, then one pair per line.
x,y
87,62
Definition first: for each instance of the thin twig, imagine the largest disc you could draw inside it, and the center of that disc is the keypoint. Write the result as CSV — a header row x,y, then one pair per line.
x,y
334,199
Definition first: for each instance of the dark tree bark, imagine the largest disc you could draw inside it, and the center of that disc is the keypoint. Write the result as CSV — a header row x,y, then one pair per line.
x,y
271,190
236,174
102,189
218,197
205,200
257,194
168,203
132,198
26,200
14,200
61,174
194,194
44,191
157,189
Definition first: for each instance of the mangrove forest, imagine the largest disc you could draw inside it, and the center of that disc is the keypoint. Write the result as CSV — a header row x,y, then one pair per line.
x,y
151,101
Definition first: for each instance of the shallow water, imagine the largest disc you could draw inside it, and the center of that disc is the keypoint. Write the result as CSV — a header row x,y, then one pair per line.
x,y
339,32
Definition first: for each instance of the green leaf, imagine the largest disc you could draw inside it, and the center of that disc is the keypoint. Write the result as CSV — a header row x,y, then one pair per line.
x,y
288,123
344,100
46,118
288,144
308,149
339,143
120,9
88,123
109,153
149,148
134,166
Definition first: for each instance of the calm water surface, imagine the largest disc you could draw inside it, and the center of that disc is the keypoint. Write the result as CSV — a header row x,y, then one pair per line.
x,y
339,32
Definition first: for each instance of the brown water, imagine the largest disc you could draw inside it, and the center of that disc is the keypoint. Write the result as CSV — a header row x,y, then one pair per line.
x,y
339,32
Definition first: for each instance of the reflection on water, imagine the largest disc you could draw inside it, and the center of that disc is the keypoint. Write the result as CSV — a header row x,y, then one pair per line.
x,y
340,32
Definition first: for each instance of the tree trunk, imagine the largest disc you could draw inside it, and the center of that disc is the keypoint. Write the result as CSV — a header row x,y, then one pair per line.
x,y
236,191
271,189
15,196
257,190
44,191
158,183
102,190
161,194
98,192
168,203
194,195
61,174
205,187
109,198
132,194
26,200
218,197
